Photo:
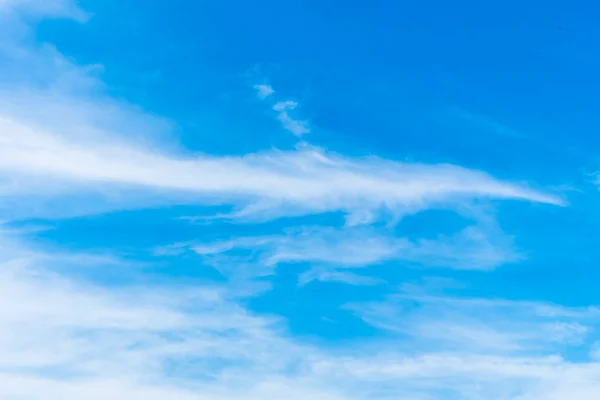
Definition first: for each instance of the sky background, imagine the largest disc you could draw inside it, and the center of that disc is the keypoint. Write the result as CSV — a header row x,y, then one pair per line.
x,y
217,200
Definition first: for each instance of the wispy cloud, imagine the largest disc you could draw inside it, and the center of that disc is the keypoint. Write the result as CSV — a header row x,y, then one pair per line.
x,y
283,111
480,325
333,251
334,275
276,183
474,377
297,127
42,8
263,90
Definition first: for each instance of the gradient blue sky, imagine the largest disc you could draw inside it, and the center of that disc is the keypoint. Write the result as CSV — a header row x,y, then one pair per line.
x,y
221,200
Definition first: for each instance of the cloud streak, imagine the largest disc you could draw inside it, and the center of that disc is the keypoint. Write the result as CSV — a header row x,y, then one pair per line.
x,y
284,110
263,90
276,182
297,127
475,325
41,8
331,251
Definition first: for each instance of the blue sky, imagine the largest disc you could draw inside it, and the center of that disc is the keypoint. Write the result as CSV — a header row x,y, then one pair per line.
x,y
325,200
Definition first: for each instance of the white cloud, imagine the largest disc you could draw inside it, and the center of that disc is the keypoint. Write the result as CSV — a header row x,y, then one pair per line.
x,y
263,91
479,325
452,376
285,105
283,108
477,247
334,275
42,8
295,126
35,158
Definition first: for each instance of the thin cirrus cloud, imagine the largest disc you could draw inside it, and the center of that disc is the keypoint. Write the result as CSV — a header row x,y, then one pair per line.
x,y
263,90
475,325
473,377
43,8
297,127
284,109
332,252
273,182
